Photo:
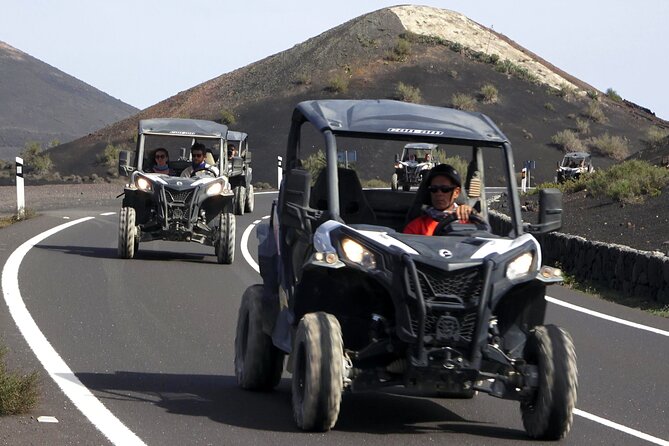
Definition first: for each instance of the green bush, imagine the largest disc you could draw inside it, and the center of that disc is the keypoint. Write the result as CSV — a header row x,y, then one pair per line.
x,y
594,111
592,94
629,181
18,393
227,117
568,141
656,137
613,95
337,84
262,186
460,164
566,92
400,51
314,163
35,159
616,147
463,101
548,106
375,183
582,126
489,94
109,156
407,93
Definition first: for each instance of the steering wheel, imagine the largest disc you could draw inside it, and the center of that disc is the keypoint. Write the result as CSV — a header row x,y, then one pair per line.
x,y
204,169
451,224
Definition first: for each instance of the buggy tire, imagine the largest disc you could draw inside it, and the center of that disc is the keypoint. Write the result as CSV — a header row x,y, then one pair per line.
x,y
318,367
239,200
258,363
548,414
127,233
250,199
225,243
393,182
406,187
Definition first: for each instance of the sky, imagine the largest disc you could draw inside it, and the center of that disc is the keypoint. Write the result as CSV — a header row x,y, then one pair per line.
x,y
144,51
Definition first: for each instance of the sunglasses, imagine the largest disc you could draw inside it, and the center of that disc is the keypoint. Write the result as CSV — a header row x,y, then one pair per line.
x,y
443,189
198,155
159,157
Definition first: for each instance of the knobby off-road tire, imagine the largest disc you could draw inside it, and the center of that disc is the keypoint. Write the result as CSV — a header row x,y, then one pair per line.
x,y
393,182
318,369
250,199
406,187
239,200
258,363
127,233
225,245
549,415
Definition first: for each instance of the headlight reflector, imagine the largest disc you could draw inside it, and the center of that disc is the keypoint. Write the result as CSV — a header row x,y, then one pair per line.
x,y
144,185
519,266
215,189
357,253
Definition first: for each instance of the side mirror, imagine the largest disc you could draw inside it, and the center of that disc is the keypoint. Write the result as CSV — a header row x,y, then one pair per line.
x,y
125,164
397,158
248,156
550,212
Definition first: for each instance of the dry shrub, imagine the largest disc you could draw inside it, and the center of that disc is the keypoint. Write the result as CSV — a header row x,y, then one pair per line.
x,y
568,141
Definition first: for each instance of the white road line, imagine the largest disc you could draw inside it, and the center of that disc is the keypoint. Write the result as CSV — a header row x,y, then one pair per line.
x,y
245,249
104,214
110,426
621,428
606,316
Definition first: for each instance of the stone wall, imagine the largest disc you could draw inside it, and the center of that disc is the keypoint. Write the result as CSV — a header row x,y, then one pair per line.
x,y
630,271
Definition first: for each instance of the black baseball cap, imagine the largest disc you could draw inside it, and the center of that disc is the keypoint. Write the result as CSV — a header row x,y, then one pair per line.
x,y
445,170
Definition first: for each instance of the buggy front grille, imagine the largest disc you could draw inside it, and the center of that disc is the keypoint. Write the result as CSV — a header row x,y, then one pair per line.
x,y
452,327
174,196
458,287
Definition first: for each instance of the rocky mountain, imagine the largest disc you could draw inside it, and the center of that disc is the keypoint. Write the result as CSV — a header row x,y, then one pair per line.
x,y
441,54
41,103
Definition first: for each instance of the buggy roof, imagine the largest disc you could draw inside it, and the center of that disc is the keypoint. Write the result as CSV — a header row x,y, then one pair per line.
x,y
183,127
236,136
421,146
390,119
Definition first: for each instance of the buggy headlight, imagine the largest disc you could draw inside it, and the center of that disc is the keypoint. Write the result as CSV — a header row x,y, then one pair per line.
x,y
215,189
357,253
144,185
519,266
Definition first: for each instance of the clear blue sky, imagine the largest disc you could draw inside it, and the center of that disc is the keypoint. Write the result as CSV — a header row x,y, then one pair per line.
x,y
145,51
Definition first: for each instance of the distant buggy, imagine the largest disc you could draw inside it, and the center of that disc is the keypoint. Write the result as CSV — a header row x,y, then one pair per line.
x,y
573,165
240,172
159,206
356,304
416,160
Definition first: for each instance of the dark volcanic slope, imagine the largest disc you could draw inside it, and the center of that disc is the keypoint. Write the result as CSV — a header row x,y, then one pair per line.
x,y
41,103
262,95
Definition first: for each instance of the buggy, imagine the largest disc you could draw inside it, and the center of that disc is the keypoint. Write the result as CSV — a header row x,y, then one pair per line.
x,y
358,305
240,172
573,165
166,206
417,159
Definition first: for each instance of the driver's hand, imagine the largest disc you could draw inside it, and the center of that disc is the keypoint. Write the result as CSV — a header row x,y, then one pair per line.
x,y
463,212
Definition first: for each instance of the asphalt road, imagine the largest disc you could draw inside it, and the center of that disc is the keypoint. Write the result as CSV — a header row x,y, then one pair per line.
x,y
152,340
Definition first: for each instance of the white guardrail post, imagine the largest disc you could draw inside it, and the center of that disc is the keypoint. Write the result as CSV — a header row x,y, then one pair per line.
x,y
20,194
279,171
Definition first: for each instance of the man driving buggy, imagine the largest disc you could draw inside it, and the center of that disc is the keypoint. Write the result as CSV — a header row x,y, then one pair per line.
x,y
444,186
198,164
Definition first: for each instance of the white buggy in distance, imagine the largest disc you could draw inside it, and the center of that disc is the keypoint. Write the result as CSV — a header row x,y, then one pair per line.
x,y
166,206
416,160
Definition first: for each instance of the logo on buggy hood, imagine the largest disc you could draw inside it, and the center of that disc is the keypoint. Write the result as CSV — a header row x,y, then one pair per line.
x,y
416,131
445,253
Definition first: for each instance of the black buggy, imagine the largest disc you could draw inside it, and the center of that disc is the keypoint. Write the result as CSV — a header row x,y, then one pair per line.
x,y
358,305
240,172
166,206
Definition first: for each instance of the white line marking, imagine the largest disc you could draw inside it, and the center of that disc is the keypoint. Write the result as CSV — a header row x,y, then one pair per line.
x,y
104,214
245,249
606,316
110,426
621,428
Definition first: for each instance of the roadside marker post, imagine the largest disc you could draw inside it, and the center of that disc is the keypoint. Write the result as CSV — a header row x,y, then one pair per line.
x,y
20,192
523,180
279,171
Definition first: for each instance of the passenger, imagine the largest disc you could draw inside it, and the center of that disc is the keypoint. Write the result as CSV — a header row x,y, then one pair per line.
x,y
198,163
232,151
161,159
444,187
428,158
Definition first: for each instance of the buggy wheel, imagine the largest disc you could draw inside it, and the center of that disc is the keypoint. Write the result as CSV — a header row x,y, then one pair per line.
x,y
406,187
548,414
239,200
318,365
127,233
225,244
258,363
250,199
393,182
